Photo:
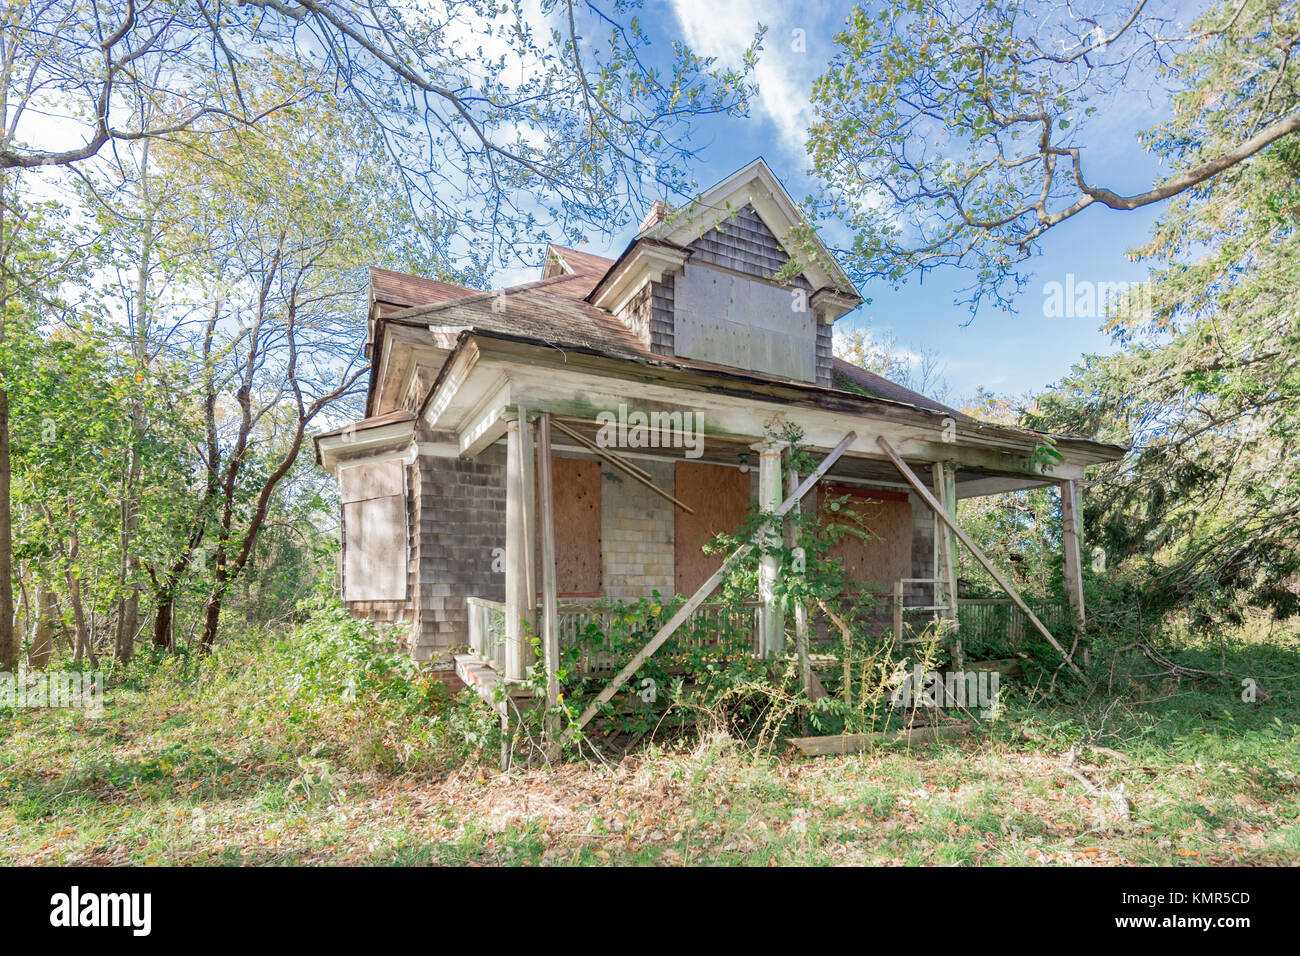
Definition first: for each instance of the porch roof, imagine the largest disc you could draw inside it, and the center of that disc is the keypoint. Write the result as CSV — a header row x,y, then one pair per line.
x,y
536,314
488,371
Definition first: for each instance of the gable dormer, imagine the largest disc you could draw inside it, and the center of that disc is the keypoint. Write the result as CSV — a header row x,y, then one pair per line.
x,y
701,282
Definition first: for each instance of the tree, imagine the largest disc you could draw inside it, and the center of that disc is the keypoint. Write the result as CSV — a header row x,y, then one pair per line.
x,y
497,133
1206,509
887,357
280,343
955,133
497,126
34,257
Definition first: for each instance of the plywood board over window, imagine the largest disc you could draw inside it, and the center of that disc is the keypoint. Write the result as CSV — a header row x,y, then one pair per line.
x,y
744,322
577,526
721,499
876,546
375,536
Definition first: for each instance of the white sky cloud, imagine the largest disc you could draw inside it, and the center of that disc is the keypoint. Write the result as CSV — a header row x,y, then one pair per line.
x,y
787,65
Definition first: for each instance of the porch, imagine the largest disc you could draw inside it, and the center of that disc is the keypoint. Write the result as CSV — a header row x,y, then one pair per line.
x,y
916,591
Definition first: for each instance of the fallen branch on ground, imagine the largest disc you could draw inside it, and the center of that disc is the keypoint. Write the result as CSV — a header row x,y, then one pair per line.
x,y
1123,809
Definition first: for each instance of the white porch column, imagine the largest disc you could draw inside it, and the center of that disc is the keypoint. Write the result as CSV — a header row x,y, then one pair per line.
x,y
520,596
771,623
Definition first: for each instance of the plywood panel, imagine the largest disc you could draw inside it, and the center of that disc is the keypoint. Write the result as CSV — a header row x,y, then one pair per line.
x,y
721,499
372,480
733,320
577,526
374,554
876,547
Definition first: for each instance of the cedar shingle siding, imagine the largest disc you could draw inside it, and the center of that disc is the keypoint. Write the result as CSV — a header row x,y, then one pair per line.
x,y
745,244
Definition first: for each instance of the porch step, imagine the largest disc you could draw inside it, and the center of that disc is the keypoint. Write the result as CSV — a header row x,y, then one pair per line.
x,y
483,679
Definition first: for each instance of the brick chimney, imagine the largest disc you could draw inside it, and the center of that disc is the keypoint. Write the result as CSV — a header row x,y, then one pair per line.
x,y
659,211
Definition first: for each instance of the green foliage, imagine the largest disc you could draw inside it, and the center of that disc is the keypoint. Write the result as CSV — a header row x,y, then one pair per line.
x,y
331,689
707,677
1204,514
955,134
697,676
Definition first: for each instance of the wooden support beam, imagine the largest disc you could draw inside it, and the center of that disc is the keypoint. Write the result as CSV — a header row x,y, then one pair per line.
x,y
604,452
550,599
705,589
618,461
945,590
1071,542
801,630
771,630
971,546
520,599
898,612
944,568
528,476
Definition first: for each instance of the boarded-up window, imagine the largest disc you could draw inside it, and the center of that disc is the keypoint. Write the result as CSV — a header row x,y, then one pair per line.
x,y
734,320
876,547
577,527
720,497
374,531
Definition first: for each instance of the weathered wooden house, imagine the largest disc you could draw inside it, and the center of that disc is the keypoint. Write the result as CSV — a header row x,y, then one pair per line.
x,y
664,379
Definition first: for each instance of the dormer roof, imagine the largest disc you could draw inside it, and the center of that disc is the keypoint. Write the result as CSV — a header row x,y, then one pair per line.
x,y
754,192
755,185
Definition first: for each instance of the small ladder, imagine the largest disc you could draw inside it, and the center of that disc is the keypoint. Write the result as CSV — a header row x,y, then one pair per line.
x,y
947,624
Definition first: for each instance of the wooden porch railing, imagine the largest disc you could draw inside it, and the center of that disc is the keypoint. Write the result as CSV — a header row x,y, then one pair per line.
x,y
994,619
710,625
979,620
487,631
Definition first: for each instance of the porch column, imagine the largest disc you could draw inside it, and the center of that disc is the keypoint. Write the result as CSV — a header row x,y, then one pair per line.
x,y
802,634
550,602
520,522
1071,536
771,622
945,570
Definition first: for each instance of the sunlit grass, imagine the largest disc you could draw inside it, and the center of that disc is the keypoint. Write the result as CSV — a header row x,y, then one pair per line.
x,y
316,748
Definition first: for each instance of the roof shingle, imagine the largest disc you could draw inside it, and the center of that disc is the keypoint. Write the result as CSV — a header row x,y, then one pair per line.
x,y
403,290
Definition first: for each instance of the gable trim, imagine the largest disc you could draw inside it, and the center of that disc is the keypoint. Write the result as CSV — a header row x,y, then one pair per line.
x,y
643,262
755,185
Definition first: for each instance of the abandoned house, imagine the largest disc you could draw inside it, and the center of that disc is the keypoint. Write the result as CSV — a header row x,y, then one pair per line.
x,y
661,383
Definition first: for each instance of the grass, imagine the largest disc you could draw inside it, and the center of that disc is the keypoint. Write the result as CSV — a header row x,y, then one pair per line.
x,y
316,748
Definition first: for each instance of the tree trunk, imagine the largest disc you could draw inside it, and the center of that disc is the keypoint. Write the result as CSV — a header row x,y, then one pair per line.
x,y
8,635
211,618
82,649
164,609
38,656
81,646
128,618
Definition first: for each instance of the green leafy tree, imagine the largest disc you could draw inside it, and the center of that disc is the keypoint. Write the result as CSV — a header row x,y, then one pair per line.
x,y
1207,507
955,133
493,133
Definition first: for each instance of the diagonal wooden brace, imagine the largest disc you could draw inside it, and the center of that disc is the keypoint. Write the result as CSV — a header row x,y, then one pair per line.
x,y
705,589
919,487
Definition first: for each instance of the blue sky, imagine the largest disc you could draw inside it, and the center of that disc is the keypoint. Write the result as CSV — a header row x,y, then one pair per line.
x,y
1008,354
